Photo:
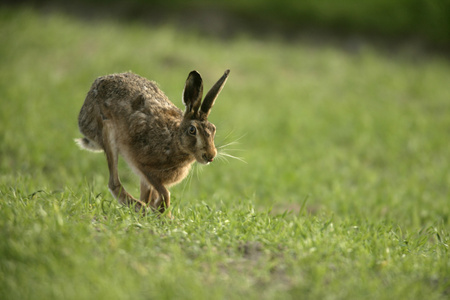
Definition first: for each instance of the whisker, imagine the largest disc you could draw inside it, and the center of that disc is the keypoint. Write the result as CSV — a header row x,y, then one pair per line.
x,y
229,134
226,145
230,149
187,182
231,143
223,155
198,170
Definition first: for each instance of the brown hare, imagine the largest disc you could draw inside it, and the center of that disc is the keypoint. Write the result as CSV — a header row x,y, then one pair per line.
x,y
129,115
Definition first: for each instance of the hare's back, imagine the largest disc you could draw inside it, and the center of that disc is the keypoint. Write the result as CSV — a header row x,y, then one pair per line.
x,y
133,99
125,87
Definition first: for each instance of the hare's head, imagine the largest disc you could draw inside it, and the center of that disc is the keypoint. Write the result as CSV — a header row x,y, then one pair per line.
x,y
197,133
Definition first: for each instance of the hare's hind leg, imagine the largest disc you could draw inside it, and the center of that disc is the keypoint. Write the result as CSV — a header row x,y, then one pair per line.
x,y
112,156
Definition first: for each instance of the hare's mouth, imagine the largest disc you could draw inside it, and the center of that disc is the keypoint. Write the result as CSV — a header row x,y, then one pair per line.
x,y
206,159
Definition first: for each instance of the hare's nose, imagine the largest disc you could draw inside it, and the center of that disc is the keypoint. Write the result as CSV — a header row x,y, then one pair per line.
x,y
208,158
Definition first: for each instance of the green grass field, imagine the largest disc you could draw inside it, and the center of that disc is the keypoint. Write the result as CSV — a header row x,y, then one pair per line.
x,y
344,192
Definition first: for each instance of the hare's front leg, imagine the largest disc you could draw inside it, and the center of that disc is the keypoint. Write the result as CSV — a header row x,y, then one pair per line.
x,y
154,193
112,156
150,196
146,192
160,199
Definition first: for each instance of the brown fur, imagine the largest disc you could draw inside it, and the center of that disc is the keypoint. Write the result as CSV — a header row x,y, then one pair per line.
x,y
129,115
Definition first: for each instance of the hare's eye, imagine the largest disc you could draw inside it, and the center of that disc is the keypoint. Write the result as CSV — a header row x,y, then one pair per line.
x,y
192,130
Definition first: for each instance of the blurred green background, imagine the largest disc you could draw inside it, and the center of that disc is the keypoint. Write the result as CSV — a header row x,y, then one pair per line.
x,y
426,22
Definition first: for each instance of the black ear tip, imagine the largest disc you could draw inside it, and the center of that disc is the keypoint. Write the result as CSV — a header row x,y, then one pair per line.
x,y
226,72
195,78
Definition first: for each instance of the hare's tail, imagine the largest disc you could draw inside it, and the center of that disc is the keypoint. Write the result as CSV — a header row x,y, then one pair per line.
x,y
88,144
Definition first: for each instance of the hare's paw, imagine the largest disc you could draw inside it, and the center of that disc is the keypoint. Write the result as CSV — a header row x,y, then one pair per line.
x,y
141,207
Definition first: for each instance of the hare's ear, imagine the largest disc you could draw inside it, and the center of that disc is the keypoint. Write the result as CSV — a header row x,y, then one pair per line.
x,y
193,92
211,96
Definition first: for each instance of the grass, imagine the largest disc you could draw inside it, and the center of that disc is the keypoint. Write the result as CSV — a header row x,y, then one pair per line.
x,y
344,193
